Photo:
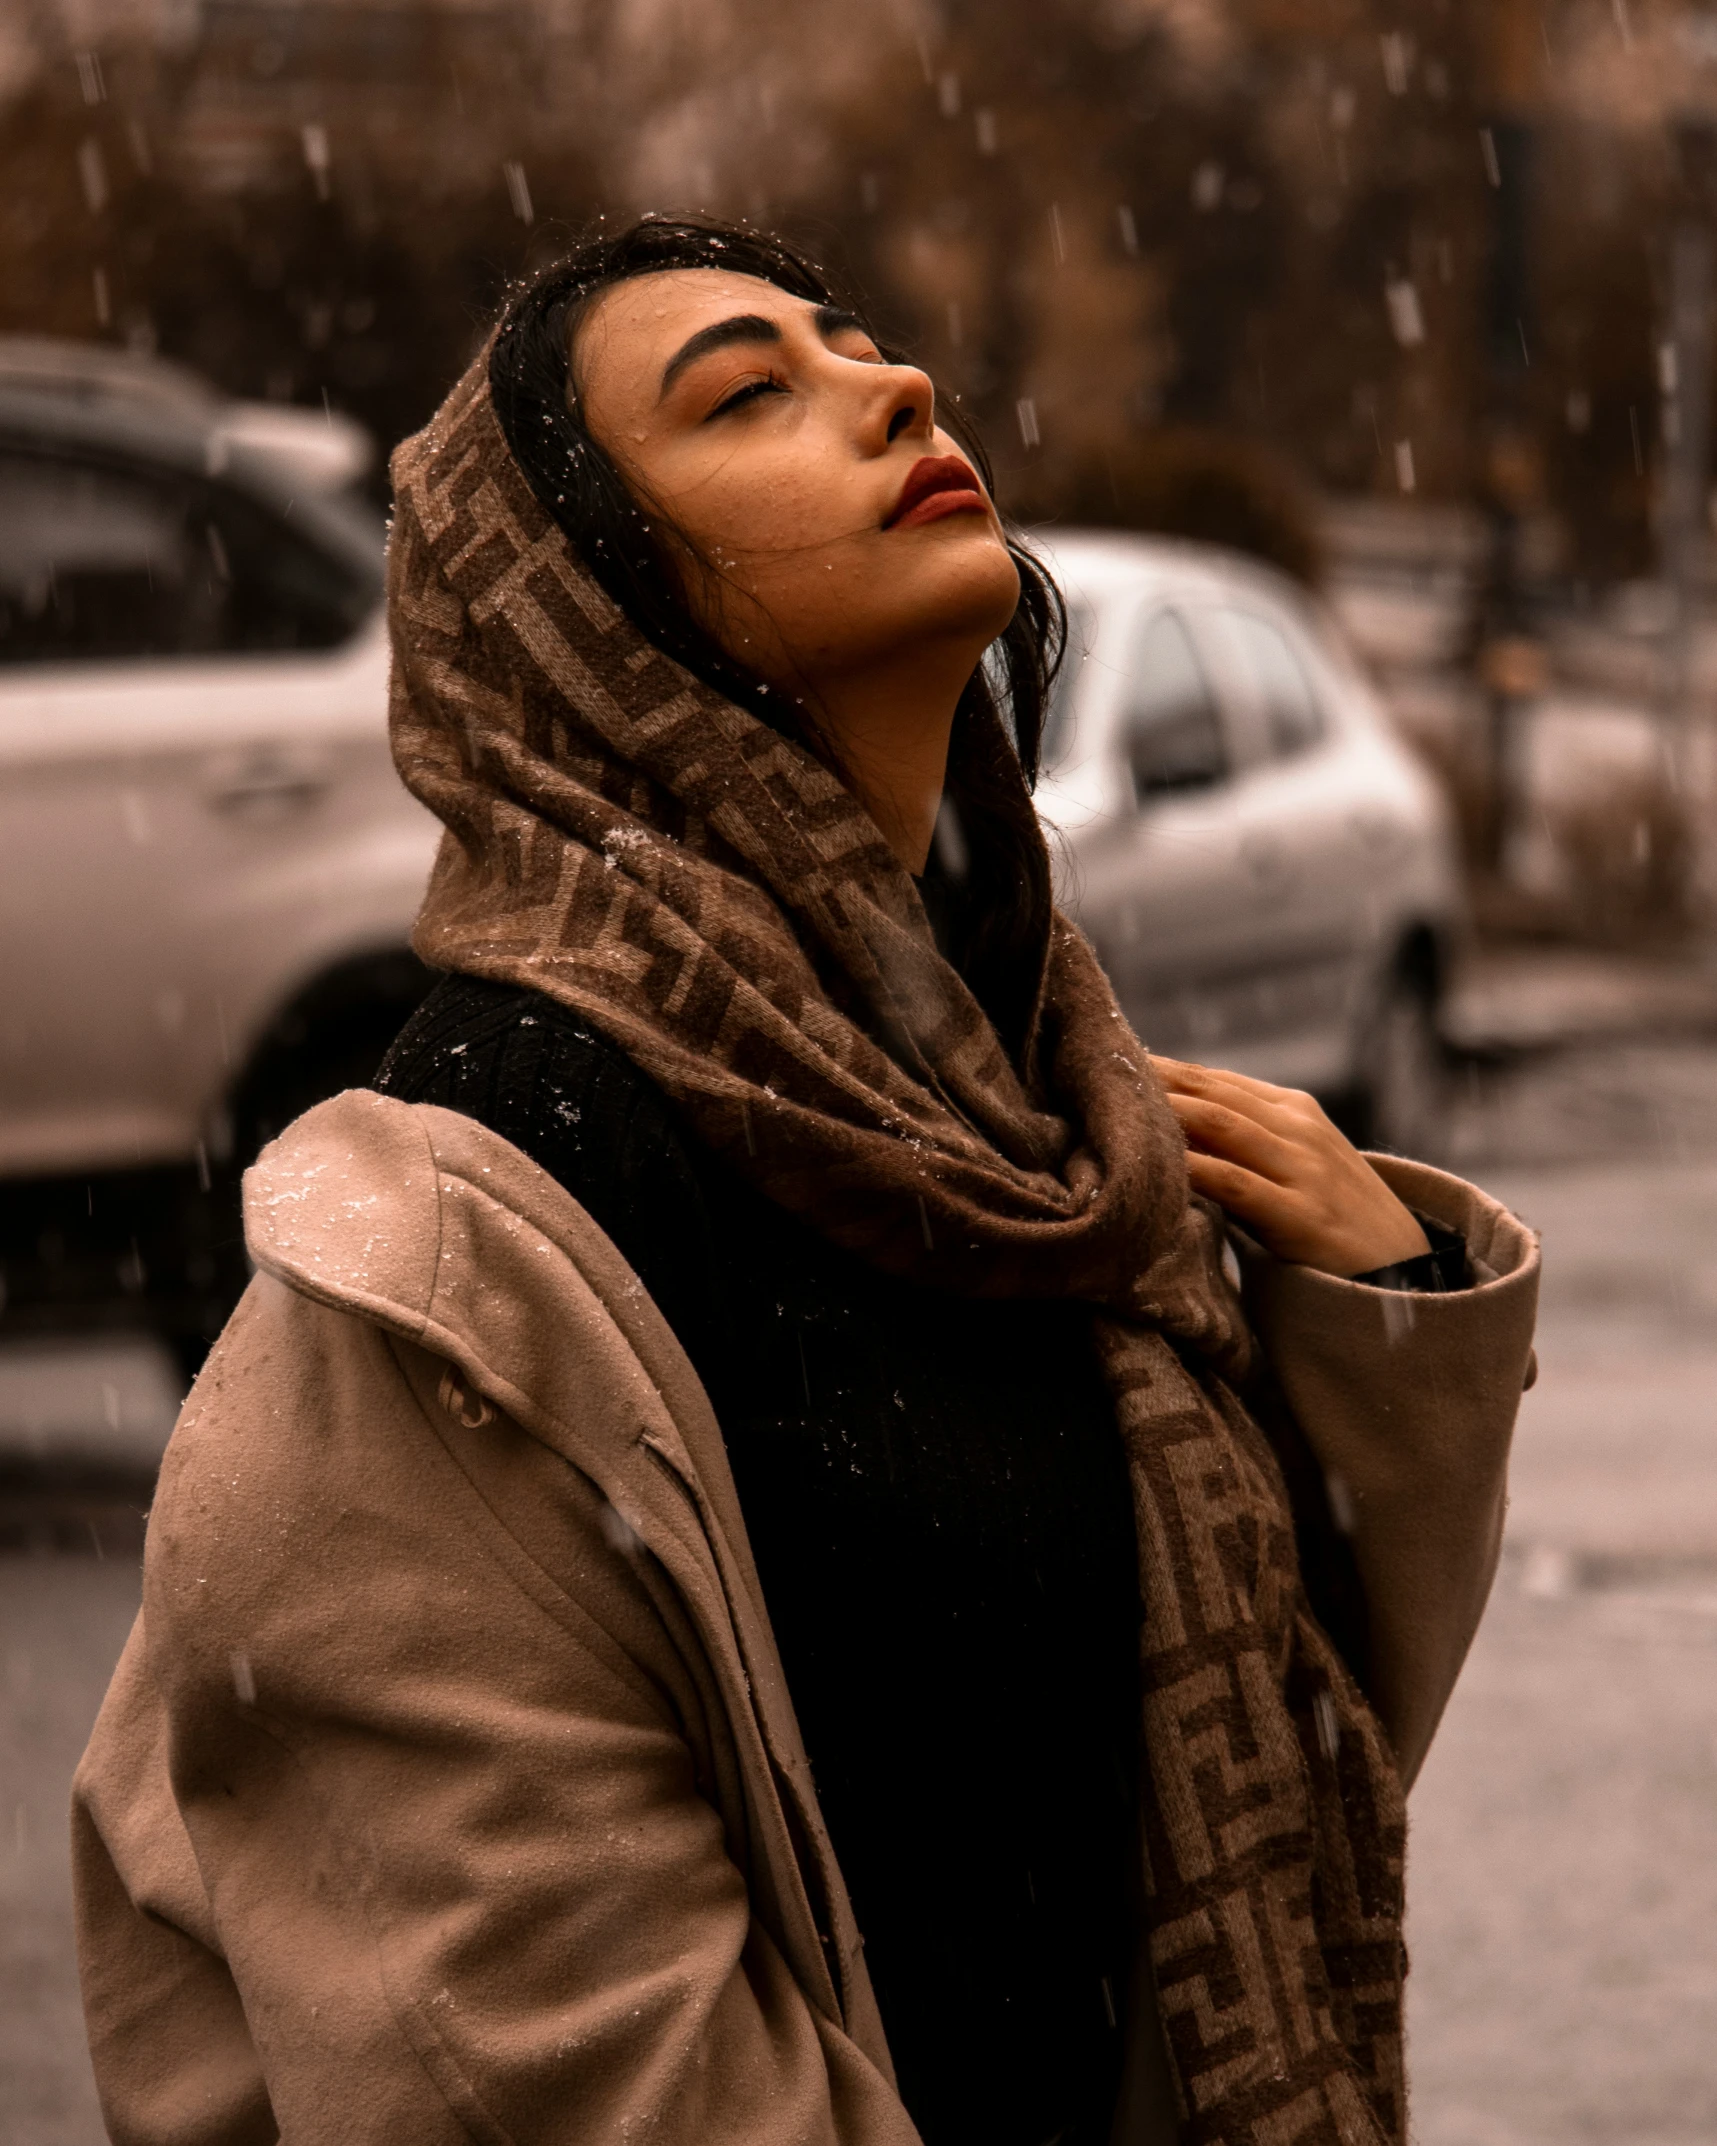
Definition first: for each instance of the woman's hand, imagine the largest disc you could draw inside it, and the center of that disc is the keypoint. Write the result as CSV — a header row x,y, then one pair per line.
x,y
1271,1159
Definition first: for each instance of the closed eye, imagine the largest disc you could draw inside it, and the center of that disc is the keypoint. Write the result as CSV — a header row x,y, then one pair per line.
x,y
749,393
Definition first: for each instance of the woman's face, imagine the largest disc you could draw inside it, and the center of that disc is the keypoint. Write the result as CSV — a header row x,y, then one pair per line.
x,y
849,536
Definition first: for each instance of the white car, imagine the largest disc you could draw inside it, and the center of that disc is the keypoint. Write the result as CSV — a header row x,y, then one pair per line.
x,y
208,866
1269,877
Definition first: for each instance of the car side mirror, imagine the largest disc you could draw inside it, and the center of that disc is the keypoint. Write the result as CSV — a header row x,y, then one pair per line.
x,y
1172,752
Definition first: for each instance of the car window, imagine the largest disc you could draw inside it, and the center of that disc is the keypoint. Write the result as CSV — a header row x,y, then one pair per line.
x,y
1276,678
1057,738
282,592
1171,732
99,563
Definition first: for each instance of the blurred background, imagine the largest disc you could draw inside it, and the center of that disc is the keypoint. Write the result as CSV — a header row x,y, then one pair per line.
x,y
1399,311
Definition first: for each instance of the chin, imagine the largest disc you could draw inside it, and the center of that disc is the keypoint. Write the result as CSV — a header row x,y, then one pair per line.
x,y
955,593
969,585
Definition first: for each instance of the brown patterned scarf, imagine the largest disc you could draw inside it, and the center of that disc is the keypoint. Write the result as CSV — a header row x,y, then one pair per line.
x,y
707,895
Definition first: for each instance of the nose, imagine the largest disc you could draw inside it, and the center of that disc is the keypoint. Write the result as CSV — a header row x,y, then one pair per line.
x,y
906,403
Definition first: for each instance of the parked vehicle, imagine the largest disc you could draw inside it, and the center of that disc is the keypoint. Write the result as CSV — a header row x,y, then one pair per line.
x,y
208,867
1267,874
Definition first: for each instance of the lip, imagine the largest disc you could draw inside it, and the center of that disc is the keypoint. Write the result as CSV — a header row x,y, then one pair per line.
x,y
935,486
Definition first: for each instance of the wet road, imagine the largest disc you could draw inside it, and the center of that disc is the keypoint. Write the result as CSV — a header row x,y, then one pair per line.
x,y
63,1620
1563,1874
1564,1853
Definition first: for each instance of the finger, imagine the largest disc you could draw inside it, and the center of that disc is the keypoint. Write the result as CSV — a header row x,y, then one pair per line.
x,y
1281,1113
1241,1193
1193,1073
1241,1137
1256,1097
1181,1075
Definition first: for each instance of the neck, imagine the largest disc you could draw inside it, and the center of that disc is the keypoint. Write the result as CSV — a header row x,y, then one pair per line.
x,y
890,728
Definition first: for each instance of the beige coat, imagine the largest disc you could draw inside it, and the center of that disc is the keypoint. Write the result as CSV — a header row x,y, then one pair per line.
x,y
449,1787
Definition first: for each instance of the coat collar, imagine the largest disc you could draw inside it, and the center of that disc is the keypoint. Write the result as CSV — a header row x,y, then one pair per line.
x,y
426,1223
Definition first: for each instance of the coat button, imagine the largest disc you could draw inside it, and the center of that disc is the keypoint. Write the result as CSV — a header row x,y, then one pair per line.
x,y
462,1404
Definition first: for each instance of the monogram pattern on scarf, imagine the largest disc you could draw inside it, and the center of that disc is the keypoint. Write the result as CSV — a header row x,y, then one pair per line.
x,y
706,893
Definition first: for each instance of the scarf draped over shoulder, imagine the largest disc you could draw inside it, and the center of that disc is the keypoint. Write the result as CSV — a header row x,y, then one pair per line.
x,y
706,894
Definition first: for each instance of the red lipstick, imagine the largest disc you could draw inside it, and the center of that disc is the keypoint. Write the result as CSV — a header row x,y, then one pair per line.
x,y
935,486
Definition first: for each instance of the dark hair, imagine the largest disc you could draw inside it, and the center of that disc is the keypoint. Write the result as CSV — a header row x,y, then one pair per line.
x,y
994,850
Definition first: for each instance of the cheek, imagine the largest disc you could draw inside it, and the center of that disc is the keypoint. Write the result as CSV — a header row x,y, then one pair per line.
x,y
790,547
807,580
769,521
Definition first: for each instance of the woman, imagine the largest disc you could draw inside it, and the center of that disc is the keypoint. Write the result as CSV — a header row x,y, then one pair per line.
x,y
748,1435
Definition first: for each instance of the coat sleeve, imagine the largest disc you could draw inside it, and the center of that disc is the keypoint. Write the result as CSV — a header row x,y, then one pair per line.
x,y
390,1832
1408,1402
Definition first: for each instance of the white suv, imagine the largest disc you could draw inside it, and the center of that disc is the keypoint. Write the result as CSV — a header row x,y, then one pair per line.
x,y
1269,877
208,867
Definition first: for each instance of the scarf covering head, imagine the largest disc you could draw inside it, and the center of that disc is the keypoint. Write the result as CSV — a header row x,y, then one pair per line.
x,y
707,895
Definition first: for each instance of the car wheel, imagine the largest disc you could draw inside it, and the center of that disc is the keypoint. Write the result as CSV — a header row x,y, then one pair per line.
x,y
1404,1077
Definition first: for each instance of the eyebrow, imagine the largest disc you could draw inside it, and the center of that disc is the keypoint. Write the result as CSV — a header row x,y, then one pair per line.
x,y
746,328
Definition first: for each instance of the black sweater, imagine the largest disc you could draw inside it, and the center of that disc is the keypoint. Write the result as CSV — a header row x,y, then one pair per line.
x,y
940,1514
